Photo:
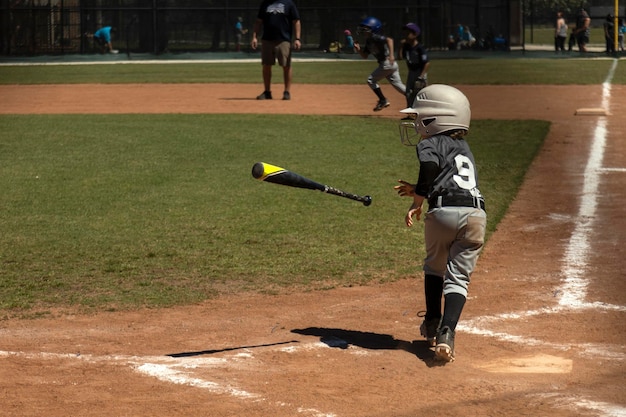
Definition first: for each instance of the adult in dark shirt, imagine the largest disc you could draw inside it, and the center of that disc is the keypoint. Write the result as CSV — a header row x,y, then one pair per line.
x,y
280,22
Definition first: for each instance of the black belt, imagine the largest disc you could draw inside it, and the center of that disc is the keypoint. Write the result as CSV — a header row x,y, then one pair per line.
x,y
457,202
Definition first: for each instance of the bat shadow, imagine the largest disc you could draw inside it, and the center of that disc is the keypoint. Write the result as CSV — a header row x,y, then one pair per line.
x,y
342,339
213,351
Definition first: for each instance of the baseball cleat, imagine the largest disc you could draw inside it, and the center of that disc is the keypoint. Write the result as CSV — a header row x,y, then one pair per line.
x,y
265,95
444,348
381,105
428,329
286,95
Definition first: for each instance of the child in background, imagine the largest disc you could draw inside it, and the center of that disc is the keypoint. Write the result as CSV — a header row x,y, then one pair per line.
x,y
349,42
416,60
381,47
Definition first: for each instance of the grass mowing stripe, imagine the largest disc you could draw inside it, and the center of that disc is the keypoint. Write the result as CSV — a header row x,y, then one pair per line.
x,y
114,212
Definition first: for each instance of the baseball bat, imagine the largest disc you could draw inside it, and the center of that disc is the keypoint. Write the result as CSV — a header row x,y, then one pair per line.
x,y
277,175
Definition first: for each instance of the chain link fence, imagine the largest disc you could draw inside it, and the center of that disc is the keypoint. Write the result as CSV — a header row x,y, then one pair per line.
x,y
39,27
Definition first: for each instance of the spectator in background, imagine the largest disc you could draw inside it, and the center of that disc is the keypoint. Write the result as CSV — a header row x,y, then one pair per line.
x,y
609,34
560,33
458,36
280,21
349,42
583,24
239,32
102,37
467,39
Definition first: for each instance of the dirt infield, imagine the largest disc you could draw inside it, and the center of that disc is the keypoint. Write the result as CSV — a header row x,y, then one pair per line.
x,y
543,332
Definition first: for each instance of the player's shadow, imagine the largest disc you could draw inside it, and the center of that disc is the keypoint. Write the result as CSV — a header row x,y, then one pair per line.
x,y
212,351
342,339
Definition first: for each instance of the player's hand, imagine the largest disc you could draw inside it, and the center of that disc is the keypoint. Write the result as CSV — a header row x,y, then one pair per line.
x,y
297,45
254,43
414,211
405,189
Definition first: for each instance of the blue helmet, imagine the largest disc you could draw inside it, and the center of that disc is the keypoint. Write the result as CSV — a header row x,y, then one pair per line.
x,y
370,24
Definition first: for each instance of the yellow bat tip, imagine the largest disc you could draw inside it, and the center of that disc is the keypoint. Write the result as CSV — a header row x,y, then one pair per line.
x,y
262,170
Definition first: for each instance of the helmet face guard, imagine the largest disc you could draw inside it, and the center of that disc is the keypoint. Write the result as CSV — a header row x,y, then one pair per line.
x,y
409,135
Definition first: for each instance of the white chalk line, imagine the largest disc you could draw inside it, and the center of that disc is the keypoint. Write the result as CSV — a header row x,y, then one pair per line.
x,y
573,290
575,403
574,285
179,370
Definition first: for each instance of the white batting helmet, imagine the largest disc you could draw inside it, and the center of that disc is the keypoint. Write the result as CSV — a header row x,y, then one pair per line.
x,y
438,108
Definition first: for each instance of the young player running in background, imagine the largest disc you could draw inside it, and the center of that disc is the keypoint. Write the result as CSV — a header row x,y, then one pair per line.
x,y
381,47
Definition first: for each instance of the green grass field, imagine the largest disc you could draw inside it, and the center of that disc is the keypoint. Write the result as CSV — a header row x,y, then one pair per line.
x,y
124,211
447,71
118,212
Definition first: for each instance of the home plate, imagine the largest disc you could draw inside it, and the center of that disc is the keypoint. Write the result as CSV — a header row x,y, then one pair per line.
x,y
592,112
540,364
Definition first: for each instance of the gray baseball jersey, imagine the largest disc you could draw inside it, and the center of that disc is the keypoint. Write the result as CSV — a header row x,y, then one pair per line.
x,y
454,226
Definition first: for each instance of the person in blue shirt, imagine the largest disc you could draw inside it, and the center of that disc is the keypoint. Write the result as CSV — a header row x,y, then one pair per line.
x,y
349,42
103,38
239,32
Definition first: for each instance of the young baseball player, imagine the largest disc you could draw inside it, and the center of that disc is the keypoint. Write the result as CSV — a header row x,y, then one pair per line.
x,y
416,60
454,225
381,47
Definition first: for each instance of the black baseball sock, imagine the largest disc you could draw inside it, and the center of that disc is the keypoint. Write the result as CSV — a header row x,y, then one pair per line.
x,y
379,94
433,288
452,309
